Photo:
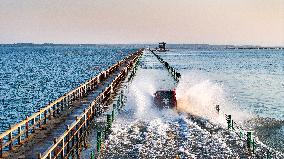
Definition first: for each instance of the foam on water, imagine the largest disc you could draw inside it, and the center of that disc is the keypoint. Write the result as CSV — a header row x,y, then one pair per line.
x,y
198,95
141,128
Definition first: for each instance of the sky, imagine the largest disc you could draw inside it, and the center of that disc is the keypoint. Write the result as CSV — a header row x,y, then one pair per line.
x,y
237,22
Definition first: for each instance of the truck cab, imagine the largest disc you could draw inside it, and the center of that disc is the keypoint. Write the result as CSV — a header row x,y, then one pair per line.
x,y
165,99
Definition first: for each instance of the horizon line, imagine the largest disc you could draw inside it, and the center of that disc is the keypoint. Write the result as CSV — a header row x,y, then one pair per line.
x,y
150,43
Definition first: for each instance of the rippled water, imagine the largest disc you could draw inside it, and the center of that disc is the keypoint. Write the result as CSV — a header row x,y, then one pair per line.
x,y
252,80
32,76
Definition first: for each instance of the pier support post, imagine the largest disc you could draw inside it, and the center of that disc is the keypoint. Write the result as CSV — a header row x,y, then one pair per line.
x,y
112,115
241,133
218,108
109,122
62,104
1,148
39,118
45,116
39,155
63,151
253,145
27,127
249,139
115,107
118,103
77,144
55,150
10,139
85,118
20,136
33,124
67,140
268,154
73,137
49,111
92,155
99,141
229,121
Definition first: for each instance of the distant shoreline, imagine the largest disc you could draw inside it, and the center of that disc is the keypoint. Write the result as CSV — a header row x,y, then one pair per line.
x,y
185,46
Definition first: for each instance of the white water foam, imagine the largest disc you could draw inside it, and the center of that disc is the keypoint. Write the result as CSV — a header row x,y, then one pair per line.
x,y
198,95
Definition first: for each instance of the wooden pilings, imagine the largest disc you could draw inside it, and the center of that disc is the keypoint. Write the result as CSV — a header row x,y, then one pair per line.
x,y
171,70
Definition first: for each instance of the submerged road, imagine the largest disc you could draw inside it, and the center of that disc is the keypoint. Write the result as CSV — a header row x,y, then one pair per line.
x,y
141,131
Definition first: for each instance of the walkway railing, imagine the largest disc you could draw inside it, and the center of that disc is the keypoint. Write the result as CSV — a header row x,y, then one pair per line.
x,y
72,135
22,131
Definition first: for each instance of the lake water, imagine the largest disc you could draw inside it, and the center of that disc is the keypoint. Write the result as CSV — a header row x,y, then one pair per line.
x,y
249,81
249,84
32,76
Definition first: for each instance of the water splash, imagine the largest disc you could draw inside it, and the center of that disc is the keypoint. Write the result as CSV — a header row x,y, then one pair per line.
x,y
198,95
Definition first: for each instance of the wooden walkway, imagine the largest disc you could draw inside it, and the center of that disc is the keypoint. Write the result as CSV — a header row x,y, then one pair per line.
x,y
54,131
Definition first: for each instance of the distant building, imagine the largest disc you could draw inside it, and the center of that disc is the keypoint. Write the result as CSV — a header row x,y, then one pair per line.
x,y
162,47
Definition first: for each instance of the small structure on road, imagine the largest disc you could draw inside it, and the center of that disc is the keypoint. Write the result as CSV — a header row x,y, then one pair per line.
x,y
162,47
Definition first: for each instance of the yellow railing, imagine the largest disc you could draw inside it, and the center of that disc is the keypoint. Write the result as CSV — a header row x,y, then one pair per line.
x,y
61,146
21,131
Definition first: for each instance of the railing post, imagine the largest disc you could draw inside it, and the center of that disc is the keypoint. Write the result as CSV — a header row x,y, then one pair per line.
x,y
241,133
19,132
267,154
67,140
33,124
39,118
112,115
55,150
253,145
218,108
85,118
77,138
1,148
229,121
10,139
73,137
99,141
62,103
53,108
249,139
49,110
45,116
92,155
58,107
67,98
63,147
108,122
49,156
27,128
